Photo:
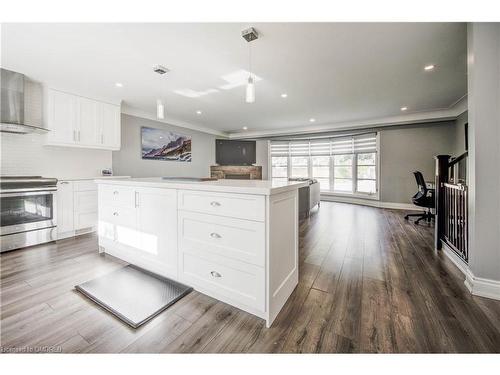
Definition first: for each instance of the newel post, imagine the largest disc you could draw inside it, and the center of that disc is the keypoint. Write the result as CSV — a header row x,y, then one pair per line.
x,y
441,177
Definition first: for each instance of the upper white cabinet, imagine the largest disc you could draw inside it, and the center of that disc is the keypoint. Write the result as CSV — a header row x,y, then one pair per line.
x,y
62,118
87,118
108,126
75,121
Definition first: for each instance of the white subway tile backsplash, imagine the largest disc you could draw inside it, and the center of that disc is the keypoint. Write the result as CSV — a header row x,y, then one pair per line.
x,y
25,154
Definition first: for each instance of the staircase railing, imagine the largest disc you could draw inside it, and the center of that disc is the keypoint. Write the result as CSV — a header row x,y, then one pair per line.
x,y
455,217
451,206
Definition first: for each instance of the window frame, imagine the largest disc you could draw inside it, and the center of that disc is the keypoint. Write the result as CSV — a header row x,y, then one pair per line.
x,y
354,192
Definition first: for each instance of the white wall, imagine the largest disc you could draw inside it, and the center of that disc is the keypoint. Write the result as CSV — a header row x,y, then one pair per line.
x,y
483,49
24,154
128,160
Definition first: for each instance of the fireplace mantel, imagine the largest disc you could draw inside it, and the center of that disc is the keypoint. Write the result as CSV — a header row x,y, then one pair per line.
x,y
245,172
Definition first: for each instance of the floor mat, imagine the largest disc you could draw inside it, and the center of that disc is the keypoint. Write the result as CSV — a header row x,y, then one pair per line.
x,y
132,294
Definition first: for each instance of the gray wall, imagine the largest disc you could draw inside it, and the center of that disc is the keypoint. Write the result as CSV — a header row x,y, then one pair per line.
x,y
483,88
404,149
128,160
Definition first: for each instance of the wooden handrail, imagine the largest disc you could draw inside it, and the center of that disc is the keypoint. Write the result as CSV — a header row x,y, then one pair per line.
x,y
454,161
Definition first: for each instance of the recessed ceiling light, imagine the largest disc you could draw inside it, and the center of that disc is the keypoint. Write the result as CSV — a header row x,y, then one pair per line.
x,y
284,95
118,84
198,112
404,108
429,67
245,128
312,120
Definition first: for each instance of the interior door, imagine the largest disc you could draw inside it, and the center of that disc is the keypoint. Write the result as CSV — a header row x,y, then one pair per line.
x,y
87,121
157,227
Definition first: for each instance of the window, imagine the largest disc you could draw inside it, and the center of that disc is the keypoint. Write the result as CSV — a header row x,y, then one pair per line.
x,y
342,173
279,167
321,170
367,172
344,165
299,166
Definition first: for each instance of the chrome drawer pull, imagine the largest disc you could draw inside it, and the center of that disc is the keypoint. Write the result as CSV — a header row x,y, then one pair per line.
x,y
215,274
115,213
215,204
215,235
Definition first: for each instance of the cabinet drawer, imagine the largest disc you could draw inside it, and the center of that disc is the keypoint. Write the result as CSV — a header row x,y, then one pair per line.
x,y
117,215
235,282
113,195
235,238
243,206
85,186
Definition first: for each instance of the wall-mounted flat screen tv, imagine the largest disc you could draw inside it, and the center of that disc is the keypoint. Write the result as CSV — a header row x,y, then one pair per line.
x,y
233,152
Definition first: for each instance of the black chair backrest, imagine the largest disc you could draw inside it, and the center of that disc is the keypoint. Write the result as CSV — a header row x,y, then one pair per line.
x,y
419,177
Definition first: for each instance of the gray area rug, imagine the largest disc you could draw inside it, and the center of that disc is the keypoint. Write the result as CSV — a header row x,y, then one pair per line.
x,y
132,294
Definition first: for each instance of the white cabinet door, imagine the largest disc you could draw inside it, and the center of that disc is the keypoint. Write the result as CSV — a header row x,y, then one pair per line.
x,y
85,203
109,126
157,227
87,122
81,122
62,119
65,207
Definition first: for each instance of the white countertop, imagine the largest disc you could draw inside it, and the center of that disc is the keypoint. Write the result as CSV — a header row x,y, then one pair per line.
x,y
260,187
89,178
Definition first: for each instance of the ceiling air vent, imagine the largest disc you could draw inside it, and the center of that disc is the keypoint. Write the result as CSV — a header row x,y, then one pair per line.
x,y
249,34
160,69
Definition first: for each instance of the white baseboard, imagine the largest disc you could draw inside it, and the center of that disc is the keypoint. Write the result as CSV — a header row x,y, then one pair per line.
x,y
371,202
456,260
477,286
482,287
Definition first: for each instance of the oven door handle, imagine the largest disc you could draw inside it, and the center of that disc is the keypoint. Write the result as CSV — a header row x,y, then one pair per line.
x,y
27,192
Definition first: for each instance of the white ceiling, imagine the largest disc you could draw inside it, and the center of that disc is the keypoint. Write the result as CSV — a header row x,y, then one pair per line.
x,y
333,72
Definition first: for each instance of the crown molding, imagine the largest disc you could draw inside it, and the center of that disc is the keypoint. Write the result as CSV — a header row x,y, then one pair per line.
x,y
444,114
131,111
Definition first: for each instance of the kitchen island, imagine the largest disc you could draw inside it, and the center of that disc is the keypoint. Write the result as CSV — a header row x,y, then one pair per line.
x,y
234,240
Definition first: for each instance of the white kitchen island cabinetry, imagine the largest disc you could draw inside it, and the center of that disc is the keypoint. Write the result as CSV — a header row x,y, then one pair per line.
x,y
234,240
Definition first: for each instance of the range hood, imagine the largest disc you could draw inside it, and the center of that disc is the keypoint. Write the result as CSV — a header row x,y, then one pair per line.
x,y
21,108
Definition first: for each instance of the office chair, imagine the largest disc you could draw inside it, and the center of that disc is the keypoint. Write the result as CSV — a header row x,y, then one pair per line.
x,y
423,198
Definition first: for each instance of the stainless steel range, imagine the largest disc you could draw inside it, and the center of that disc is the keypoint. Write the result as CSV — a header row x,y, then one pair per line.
x,y
28,211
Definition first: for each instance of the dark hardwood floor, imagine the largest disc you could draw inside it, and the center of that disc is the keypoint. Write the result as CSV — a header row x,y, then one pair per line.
x,y
369,282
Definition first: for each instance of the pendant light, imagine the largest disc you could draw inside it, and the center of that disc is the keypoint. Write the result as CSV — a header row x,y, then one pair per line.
x,y
250,93
250,35
160,108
